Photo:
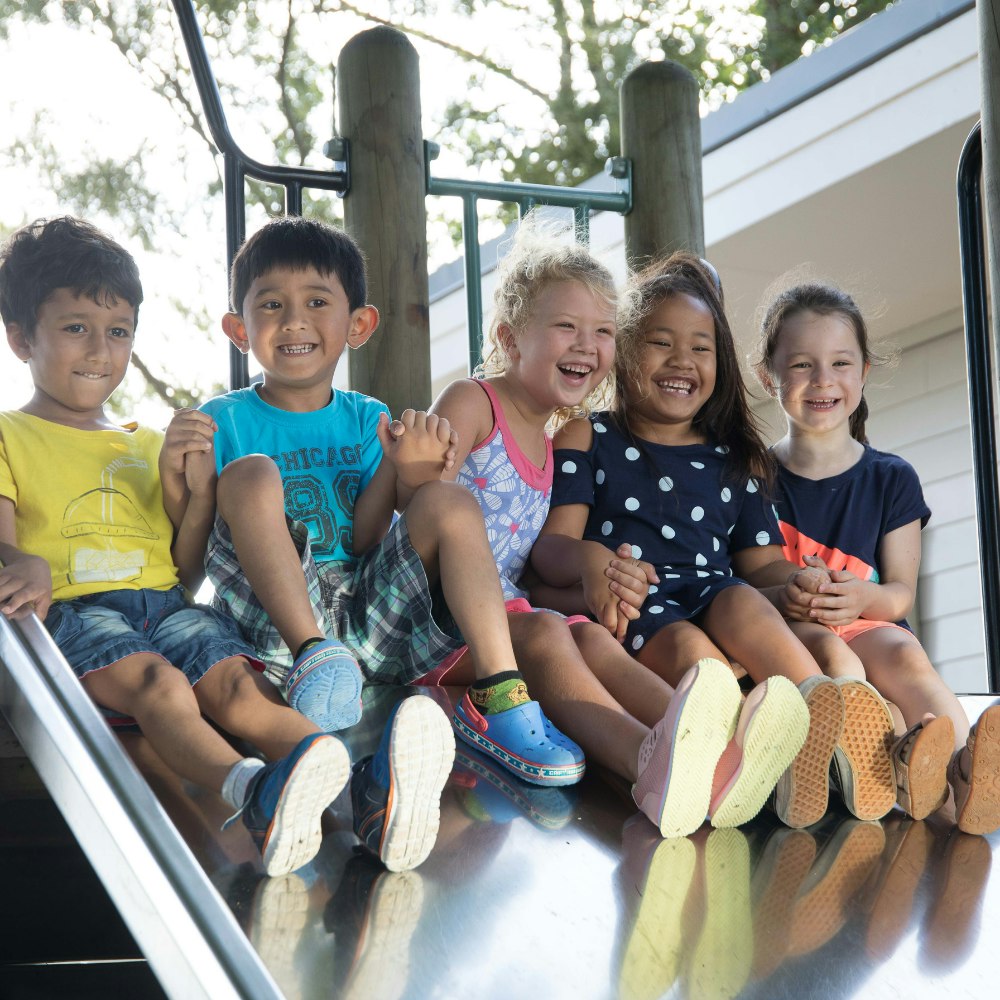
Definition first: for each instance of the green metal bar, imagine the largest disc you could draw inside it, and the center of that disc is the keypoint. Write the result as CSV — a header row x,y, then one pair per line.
x,y
473,278
542,194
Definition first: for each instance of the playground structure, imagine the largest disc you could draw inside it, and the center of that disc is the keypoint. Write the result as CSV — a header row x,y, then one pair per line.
x,y
568,853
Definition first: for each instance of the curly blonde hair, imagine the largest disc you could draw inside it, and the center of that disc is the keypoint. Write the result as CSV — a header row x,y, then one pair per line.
x,y
538,257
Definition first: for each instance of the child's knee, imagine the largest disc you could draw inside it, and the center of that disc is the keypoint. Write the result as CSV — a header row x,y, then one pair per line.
x,y
251,476
448,506
230,686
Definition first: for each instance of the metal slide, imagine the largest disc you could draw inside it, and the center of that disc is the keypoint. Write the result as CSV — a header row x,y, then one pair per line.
x,y
187,933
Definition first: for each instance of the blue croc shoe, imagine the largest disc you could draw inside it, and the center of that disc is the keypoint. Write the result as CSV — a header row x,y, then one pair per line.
x,y
396,794
286,799
324,684
523,740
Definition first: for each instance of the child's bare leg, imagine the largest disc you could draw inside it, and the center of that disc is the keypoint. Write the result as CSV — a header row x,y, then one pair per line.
x,y
446,530
640,692
833,656
672,650
160,699
243,702
749,629
251,500
898,667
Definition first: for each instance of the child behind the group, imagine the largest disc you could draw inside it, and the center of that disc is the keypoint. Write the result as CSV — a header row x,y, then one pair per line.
x,y
676,469
307,556
553,340
86,543
853,516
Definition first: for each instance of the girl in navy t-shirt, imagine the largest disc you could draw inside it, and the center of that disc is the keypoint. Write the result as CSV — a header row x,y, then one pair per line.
x,y
852,516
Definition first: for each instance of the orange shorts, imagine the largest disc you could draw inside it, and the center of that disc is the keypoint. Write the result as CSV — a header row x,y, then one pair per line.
x,y
861,625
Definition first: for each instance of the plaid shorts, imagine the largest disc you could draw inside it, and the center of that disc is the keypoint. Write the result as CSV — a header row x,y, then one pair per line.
x,y
381,608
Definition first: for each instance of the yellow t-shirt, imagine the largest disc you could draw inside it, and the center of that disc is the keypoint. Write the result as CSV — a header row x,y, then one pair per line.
x,y
89,503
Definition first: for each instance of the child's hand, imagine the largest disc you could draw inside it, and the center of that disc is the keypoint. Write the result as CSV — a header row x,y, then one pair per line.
x,y
190,432
420,446
630,580
841,601
200,476
601,600
25,587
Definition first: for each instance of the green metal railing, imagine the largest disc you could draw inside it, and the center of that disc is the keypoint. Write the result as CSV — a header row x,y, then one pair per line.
x,y
526,197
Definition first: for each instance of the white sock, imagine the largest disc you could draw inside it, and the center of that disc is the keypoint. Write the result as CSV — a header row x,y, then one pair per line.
x,y
234,788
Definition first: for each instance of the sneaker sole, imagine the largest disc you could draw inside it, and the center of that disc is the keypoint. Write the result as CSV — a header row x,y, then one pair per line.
x,y
421,754
981,811
802,795
704,724
295,833
863,756
777,730
329,695
927,769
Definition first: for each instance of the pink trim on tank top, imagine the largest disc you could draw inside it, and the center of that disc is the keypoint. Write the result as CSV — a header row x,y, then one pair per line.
x,y
536,478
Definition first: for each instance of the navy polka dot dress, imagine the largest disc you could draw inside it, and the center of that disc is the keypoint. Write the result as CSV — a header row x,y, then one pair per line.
x,y
676,508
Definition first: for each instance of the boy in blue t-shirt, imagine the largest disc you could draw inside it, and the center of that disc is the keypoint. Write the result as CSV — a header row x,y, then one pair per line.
x,y
306,552
86,544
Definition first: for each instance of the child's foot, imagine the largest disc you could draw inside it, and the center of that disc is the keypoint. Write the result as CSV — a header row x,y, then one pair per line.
x,y
920,759
862,765
396,794
519,737
801,796
771,730
677,759
974,773
324,684
286,799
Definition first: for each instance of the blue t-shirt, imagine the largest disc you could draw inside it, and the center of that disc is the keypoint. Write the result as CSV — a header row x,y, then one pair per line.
x,y
674,504
843,519
326,457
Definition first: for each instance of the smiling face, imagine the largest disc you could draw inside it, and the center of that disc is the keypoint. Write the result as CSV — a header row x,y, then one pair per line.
x,y
817,372
676,375
565,348
78,354
297,322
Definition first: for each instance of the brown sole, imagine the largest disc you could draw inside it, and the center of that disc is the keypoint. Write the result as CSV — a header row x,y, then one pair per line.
x,y
981,812
802,795
863,755
927,769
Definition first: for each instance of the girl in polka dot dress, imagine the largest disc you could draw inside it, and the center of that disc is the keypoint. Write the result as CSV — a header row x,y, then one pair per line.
x,y
854,515
553,339
677,471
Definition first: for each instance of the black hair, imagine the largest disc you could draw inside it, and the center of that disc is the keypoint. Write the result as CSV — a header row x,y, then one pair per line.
x,y
296,243
726,418
49,254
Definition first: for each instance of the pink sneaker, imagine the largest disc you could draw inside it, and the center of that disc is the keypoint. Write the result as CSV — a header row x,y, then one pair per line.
x,y
677,759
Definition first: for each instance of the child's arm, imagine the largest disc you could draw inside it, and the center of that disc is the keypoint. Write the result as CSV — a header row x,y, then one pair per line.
x,y
788,587
188,478
25,580
467,409
847,597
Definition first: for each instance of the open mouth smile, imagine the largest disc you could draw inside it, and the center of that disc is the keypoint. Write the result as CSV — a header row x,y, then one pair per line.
x,y
822,404
294,350
576,372
675,386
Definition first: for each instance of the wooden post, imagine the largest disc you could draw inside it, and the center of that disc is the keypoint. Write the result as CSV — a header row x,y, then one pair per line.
x,y
989,76
379,100
661,133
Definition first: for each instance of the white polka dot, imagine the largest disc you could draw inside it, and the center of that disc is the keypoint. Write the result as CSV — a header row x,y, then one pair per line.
x,y
751,486
697,465
670,576
731,529
637,642
719,572
763,538
667,531
705,591
674,603
722,449
700,560
631,454
716,544
607,528
656,610
569,466
636,552
726,495
697,513
702,572
631,503
599,478
600,428
653,588
666,484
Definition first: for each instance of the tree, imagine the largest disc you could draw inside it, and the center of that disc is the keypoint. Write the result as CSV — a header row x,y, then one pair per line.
x,y
542,107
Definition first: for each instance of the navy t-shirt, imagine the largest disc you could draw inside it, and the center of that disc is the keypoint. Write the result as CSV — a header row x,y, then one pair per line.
x,y
843,519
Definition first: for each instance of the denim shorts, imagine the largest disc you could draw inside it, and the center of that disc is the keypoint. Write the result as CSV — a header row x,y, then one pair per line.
x,y
97,630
